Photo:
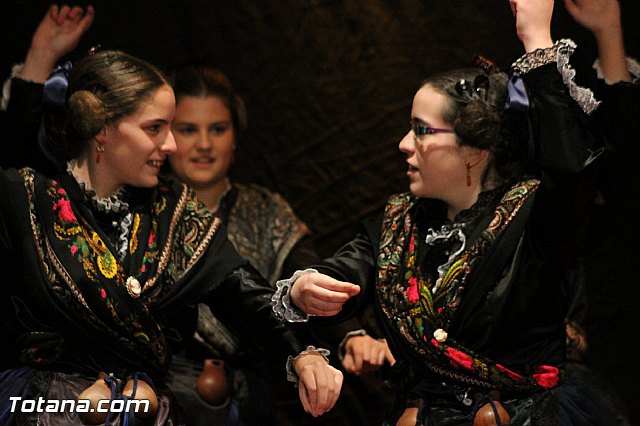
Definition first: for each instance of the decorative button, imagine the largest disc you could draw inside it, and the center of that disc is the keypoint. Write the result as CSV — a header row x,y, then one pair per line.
x,y
133,287
440,335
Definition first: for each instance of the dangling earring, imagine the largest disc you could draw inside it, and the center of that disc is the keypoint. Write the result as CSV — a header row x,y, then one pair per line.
x,y
468,174
100,150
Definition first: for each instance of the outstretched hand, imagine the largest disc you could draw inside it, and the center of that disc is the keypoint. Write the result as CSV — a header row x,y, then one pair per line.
x,y
319,383
58,33
533,22
595,15
319,294
364,354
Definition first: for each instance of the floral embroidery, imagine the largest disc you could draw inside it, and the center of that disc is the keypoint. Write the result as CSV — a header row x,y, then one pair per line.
x,y
547,376
64,210
407,299
459,358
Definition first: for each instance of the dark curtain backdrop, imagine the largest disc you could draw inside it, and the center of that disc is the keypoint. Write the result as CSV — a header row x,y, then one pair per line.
x,y
328,85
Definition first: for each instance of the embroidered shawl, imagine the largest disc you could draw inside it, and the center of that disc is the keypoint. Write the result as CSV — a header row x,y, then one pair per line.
x,y
106,310
422,313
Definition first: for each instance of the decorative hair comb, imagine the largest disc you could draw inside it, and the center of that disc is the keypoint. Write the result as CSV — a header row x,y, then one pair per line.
x,y
93,50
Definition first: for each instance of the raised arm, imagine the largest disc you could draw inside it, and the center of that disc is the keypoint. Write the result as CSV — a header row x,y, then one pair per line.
x,y
58,33
602,18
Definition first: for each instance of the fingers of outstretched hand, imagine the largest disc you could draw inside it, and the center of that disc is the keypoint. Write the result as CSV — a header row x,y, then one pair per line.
x,y
63,14
318,294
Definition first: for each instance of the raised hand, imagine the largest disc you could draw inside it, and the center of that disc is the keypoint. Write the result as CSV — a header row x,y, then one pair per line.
x,y
595,15
364,354
319,383
602,18
533,22
319,294
58,33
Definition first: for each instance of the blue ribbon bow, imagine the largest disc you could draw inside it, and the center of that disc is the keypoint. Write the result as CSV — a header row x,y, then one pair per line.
x,y
517,93
55,88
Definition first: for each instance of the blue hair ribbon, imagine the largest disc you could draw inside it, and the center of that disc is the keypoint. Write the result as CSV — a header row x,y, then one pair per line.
x,y
517,97
518,100
55,88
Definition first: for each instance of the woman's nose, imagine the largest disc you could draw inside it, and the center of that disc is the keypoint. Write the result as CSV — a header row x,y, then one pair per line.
x,y
169,145
407,143
203,142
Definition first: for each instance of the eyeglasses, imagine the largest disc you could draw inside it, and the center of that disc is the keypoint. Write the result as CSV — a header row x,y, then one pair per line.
x,y
420,129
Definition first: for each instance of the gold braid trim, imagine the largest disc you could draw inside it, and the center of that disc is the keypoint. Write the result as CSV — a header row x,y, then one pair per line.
x,y
164,258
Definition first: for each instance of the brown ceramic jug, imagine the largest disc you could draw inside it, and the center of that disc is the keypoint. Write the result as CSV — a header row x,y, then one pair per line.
x,y
485,416
99,390
212,385
143,392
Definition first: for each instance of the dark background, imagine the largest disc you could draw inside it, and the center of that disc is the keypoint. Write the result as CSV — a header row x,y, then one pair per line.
x,y
328,86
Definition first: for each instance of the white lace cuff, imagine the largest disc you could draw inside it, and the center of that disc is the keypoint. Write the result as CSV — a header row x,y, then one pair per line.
x,y
291,373
632,64
343,343
559,53
6,86
281,300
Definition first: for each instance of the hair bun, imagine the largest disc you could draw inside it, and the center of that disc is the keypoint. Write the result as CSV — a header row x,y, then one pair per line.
x,y
479,125
87,114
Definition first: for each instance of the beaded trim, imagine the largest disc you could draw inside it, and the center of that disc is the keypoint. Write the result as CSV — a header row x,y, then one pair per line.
x,y
281,300
539,57
291,373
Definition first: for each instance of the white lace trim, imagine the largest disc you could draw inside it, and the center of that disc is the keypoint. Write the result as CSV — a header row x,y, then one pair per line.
x,y
445,233
583,96
632,64
291,373
560,53
16,69
281,300
112,204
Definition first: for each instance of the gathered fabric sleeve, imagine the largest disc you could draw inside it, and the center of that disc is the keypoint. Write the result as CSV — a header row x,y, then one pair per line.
x,y
20,125
241,300
567,143
619,120
355,262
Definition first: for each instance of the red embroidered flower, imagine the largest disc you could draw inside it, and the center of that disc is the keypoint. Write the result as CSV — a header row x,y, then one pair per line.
x,y
152,238
434,342
546,376
460,358
64,210
412,291
513,375
103,293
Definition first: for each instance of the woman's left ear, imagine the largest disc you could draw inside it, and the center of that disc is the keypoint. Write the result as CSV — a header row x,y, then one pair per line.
x,y
101,136
474,156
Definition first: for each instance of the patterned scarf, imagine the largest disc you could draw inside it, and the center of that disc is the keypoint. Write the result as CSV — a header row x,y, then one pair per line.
x,y
422,312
